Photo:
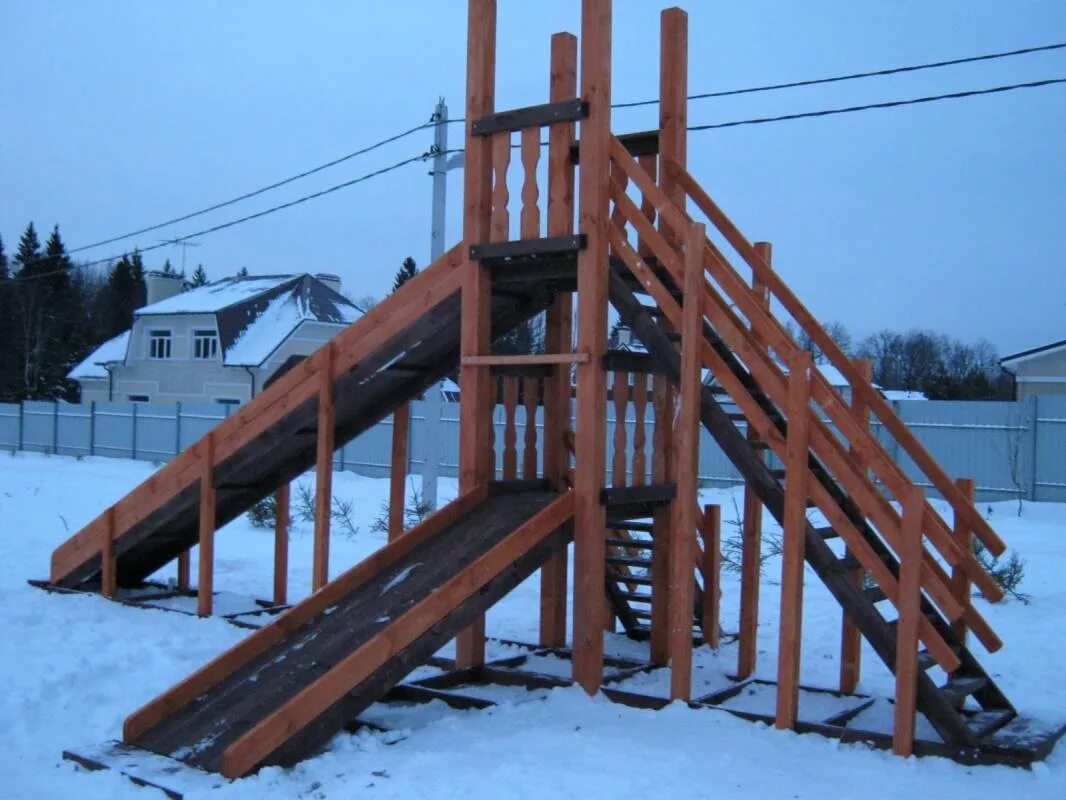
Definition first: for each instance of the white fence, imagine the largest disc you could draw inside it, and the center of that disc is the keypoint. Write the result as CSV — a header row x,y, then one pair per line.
x,y
1010,449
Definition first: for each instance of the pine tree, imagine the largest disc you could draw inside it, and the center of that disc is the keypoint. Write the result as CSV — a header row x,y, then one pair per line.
x,y
8,373
199,277
406,271
140,288
118,300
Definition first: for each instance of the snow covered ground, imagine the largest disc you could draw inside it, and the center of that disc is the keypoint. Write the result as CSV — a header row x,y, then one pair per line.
x,y
72,668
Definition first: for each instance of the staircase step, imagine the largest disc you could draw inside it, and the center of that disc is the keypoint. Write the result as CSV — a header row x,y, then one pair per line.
x,y
958,688
849,563
987,722
632,544
640,614
622,561
525,250
628,525
636,580
925,660
634,597
827,532
736,416
875,594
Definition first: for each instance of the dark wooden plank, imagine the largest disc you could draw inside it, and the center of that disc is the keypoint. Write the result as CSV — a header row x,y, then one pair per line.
x,y
495,253
628,361
530,117
652,494
639,143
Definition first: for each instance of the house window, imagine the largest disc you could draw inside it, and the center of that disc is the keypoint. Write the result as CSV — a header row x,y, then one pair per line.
x,y
137,398
205,344
159,344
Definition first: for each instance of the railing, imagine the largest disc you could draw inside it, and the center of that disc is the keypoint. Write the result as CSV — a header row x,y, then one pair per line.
x,y
741,318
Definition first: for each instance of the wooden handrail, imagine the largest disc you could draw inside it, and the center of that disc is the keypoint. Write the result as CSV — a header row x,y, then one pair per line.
x,y
888,470
807,322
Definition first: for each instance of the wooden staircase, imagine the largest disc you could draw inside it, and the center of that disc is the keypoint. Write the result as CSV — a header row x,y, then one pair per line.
x,y
907,597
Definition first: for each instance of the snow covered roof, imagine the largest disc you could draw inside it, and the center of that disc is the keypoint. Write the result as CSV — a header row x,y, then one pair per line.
x,y
110,351
1016,358
903,394
215,296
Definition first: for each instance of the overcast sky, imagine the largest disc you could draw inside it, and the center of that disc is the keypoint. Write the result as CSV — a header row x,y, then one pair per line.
x,y
951,216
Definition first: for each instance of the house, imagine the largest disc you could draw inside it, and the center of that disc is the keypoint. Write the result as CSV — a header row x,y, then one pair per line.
x,y
1041,370
217,343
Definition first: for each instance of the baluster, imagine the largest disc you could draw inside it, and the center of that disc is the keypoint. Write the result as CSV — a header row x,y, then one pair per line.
x,y
531,399
500,227
530,219
510,434
640,405
620,393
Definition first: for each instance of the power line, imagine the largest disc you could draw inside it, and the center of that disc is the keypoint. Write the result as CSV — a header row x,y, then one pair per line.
x,y
259,191
224,225
857,75
869,106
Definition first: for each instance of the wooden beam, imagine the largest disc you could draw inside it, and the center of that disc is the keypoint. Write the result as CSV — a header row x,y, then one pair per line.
x,y
910,614
108,567
401,432
662,472
850,638
751,533
673,107
683,537
558,335
476,459
299,711
205,585
282,517
531,117
712,575
960,581
797,445
535,358
590,600
323,468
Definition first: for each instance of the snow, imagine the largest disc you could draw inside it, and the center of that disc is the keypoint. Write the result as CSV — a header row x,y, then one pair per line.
x,y
903,394
215,296
267,331
109,351
72,667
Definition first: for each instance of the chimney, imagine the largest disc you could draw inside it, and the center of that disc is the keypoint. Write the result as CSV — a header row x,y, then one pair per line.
x,y
332,281
625,336
161,285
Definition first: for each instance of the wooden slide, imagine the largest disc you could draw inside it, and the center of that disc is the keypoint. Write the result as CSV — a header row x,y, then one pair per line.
x,y
282,693
392,354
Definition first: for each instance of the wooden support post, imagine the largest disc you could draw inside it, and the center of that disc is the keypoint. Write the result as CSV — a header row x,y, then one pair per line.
x,y
795,528
960,582
910,615
206,583
281,544
751,534
558,334
476,460
850,638
183,571
687,453
323,470
712,575
401,433
108,577
590,547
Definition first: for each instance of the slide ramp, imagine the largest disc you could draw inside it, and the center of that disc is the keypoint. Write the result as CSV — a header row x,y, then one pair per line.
x,y
393,354
280,695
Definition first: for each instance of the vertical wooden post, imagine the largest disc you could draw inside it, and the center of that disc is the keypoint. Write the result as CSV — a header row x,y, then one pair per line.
x,y
662,471
850,638
960,582
205,587
323,470
530,401
108,577
751,533
795,526
673,104
401,433
712,574
281,544
558,333
683,535
183,571
476,462
590,546
910,614
510,427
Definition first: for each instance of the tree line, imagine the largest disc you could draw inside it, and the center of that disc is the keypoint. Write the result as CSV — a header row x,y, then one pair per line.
x,y
54,312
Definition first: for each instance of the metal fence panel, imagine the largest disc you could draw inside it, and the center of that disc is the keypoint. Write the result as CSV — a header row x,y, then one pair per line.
x,y
1049,455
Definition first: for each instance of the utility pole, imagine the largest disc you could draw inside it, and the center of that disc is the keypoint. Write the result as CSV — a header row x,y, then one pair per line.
x,y
434,398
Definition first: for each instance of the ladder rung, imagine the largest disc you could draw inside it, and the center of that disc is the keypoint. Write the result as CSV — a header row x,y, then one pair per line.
x,y
989,721
636,580
875,594
627,525
958,688
622,561
632,544
925,660
848,563
827,532
634,597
